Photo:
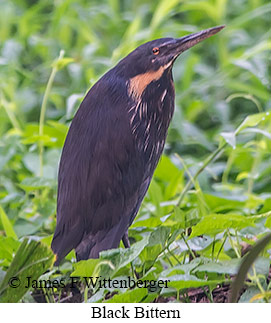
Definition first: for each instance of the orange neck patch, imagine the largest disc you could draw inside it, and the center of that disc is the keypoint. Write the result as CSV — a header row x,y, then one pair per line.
x,y
138,83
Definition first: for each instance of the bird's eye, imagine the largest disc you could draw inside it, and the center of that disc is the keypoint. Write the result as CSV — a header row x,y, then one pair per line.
x,y
155,50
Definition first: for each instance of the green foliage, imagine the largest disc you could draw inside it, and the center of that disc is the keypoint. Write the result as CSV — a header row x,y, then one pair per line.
x,y
31,260
245,266
210,197
7,226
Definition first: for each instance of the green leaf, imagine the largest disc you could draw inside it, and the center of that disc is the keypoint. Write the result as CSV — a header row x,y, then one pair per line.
x,y
218,203
162,11
54,134
159,236
231,267
121,257
149,223
190,281
157,242
131,296
243,175
230,138
225,267
166,170
8,247
250,292
156,195
7,224
210,9
34,183
61,62
256,130
215,223
32,259
86,268
24,227
253,120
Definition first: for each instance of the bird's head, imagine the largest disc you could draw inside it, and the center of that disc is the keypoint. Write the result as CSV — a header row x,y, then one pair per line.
x,y
160,54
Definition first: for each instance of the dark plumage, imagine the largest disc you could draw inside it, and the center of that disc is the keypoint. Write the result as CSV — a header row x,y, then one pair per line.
x,y
113,146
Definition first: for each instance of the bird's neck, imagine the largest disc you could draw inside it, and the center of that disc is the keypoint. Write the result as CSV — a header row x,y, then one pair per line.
x,y
150,114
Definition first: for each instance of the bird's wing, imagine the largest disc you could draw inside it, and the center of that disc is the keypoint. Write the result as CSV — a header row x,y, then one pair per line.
x,y
100,173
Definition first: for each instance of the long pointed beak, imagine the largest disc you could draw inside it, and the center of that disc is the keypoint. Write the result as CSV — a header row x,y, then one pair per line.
x,y
186,42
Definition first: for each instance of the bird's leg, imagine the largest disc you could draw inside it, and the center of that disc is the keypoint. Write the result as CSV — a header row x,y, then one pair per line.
x,y
125,240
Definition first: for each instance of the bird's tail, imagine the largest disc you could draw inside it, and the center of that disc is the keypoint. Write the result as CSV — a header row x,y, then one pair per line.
x,y
91,245
63,242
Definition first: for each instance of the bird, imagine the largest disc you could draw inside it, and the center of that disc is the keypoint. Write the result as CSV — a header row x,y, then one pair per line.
x,y
113,146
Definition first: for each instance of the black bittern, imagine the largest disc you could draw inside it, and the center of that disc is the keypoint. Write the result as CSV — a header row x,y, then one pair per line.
x,y
113,146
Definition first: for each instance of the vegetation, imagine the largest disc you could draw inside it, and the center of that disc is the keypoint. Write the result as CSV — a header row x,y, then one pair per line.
x,y
210,199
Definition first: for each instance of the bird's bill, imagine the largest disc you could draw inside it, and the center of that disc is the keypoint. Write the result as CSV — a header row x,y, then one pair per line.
x,y
186,42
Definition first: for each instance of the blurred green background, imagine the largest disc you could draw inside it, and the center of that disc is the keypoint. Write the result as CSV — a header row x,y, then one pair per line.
x,y
219,83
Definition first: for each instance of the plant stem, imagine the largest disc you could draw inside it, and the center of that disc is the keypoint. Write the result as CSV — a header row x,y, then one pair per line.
x,y
188,247
86,294
172,254
254,169
208,160
7,106
233,245
43,109
222,245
